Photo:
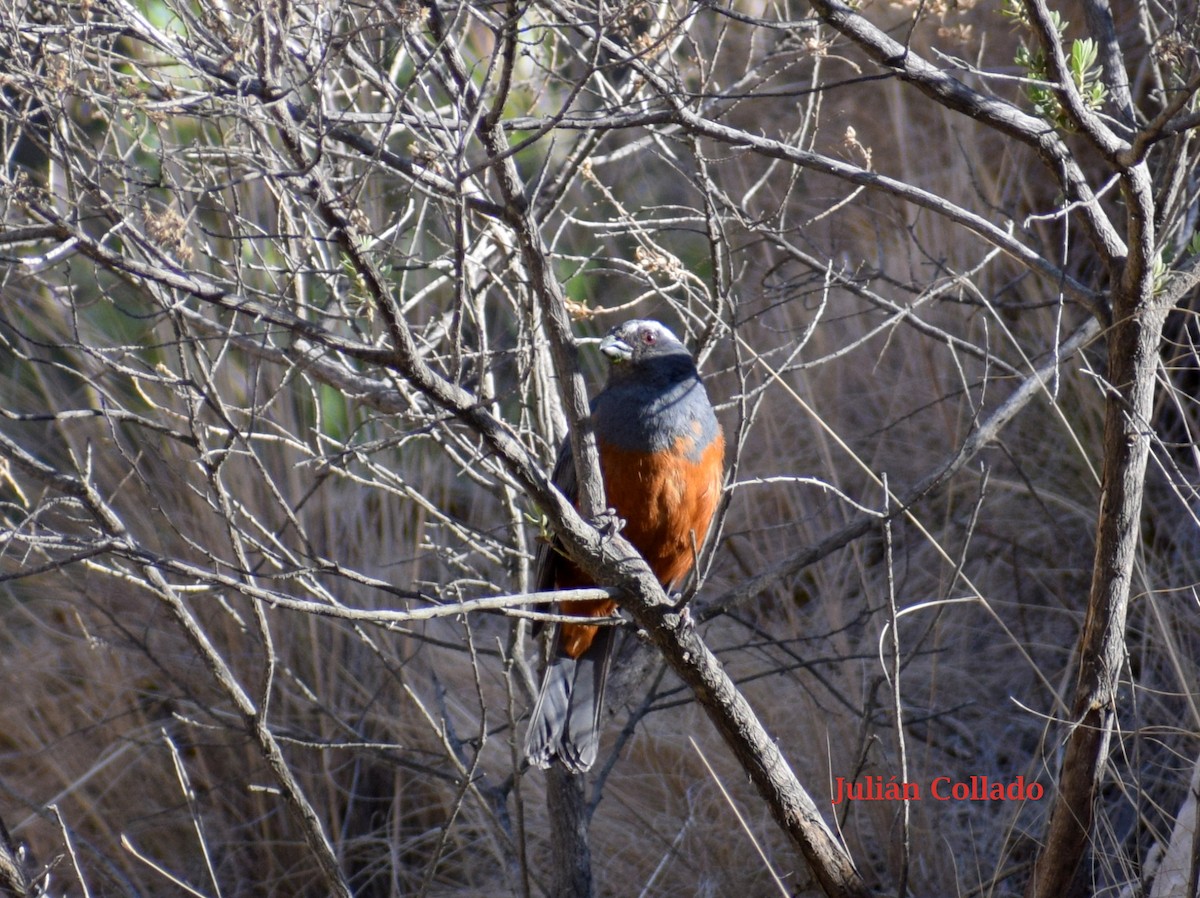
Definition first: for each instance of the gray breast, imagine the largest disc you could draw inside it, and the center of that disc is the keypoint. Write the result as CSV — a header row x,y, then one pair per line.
x,y
638,418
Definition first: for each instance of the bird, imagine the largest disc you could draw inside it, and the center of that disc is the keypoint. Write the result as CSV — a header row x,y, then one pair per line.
x,y
662,459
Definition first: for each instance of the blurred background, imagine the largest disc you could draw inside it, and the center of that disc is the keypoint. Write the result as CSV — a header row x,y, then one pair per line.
x,y
201,422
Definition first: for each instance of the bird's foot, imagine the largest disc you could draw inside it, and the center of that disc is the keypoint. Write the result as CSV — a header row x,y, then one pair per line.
x,y
679,604
609,523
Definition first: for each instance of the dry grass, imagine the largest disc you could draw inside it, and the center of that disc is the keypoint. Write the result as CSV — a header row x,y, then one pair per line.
x,y
403,738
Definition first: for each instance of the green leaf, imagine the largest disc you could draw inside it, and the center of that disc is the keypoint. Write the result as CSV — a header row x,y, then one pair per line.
x,y
1083,57
1015,10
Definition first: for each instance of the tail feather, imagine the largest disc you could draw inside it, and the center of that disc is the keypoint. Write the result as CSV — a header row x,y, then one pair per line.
x,y
566,719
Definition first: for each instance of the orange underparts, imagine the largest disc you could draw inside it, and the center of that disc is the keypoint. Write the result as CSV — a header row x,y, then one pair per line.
x,y
667,501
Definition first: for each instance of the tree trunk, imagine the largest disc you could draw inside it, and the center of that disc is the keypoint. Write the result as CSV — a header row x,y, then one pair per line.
x,y
570,853
1133,341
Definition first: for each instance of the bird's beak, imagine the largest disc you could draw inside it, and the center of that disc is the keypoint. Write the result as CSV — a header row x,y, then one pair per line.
x,y
616,349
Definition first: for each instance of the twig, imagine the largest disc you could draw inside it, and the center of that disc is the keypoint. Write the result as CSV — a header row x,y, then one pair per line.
x,y
893,677
783,890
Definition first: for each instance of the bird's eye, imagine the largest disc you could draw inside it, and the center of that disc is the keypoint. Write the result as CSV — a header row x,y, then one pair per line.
x,y
648,337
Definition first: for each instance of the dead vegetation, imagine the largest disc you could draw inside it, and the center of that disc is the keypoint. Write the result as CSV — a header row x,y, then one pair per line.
x,y
238,527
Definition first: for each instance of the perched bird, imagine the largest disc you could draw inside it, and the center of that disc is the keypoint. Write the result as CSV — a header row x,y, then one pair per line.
x,y
662,456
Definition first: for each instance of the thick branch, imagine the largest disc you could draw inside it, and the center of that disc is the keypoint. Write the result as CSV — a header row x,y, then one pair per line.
x,y
14,880
1084,118
1004,117
1098,14
1133,359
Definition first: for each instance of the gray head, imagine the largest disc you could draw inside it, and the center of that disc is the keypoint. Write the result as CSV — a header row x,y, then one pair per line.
x,y
646,351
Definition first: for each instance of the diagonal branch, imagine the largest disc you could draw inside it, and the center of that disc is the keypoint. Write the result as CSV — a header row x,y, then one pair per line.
x,y
1004,117
986,433
1084,118
252,719
949,92
1099,16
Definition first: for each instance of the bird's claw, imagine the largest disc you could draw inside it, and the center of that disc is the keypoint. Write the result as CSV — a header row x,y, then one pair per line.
x,y
679,604
609,523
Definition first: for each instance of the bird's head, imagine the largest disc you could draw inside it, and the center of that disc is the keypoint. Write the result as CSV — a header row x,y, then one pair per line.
x,y
641,342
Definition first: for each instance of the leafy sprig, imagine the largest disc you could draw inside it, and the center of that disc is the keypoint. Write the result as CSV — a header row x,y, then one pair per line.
x,y
1081,63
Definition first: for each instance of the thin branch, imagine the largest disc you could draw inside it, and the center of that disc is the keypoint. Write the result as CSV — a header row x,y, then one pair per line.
x,y
985,433
1004,117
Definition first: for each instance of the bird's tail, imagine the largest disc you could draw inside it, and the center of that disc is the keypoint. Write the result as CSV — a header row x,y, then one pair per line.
x,y
566,719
